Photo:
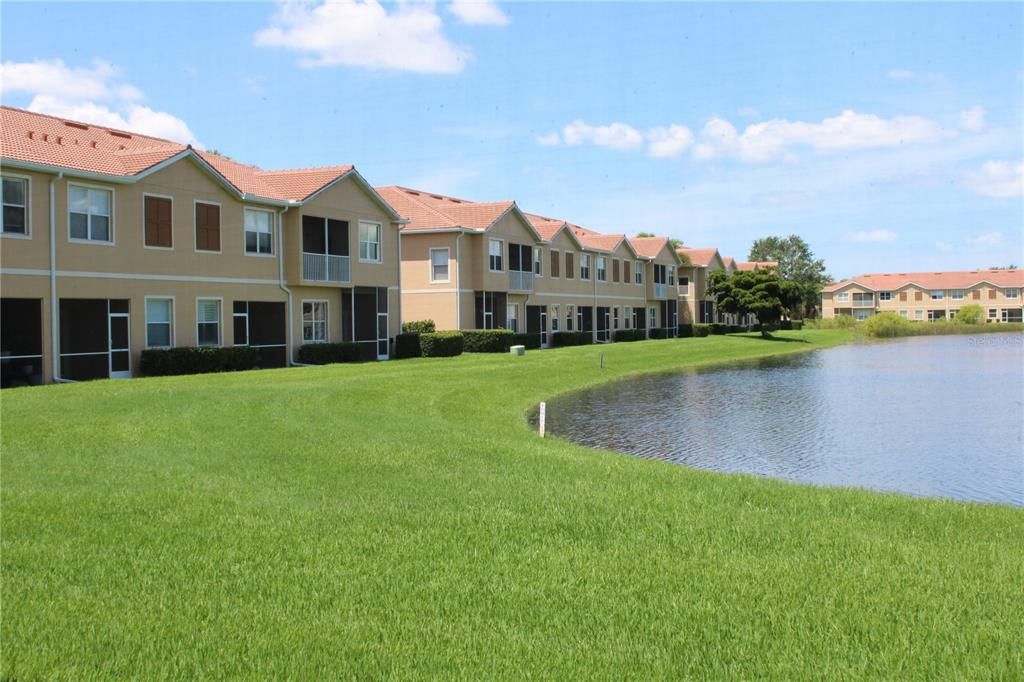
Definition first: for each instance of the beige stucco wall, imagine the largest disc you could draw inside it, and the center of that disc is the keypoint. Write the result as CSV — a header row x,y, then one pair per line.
x,y
918,301
422,298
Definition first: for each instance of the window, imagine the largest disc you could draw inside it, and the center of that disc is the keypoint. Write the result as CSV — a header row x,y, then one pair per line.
x,y
976,295
439,265
671,276
652,312
15,199
615,270
615,318
569,270
918,295
157,219
494,250
602,269
207,227
918,314
259,236
884,295
903,295
903,314
240,317
937,295
568,318
208,321
1012,292
993,313
626,274
538,261
628,317
992,294
89,214
843,297
512,316
862,314
159,325
556,256
314,321
584,266
555,320
957,294
684,285
369,242
639,272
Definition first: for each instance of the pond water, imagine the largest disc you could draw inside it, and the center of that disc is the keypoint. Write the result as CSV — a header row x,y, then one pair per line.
x,y
938,416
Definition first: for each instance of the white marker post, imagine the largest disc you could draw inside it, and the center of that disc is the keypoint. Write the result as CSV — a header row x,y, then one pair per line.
x,y
543,413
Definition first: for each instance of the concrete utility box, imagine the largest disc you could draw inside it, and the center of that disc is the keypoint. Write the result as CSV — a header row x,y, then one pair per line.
x,y
517,350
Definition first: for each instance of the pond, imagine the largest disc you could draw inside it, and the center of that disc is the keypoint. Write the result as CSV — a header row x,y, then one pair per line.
x,y
937,416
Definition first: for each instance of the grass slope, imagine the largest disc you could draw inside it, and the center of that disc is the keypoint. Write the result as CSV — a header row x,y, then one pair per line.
x,y
400,520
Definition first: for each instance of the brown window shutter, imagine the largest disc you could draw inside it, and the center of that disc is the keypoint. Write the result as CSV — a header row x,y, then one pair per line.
x,y
208,227
569,272
625,272
976,294
992,294
158,221
918,295
554,264
615,270
903,295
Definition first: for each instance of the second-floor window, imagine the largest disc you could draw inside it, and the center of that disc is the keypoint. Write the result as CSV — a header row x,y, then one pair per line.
x,y
369,242
259,236
538,261
659,273
639,272
157,217
1012,292
439,265
843,297
89,214
671,276
556,258
884,295
937,295
602,269
684,285
494,255
584,266
15,199
207,227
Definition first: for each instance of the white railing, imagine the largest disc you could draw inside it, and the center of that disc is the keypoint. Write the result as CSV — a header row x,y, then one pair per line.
x,y
321,267
660,290
520,280
863,303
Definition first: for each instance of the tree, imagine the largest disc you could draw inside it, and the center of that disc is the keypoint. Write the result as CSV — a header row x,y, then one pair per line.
x,y
796,264
756,292
642,235
970,314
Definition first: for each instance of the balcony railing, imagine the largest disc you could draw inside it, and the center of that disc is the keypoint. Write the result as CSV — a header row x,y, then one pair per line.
x,y
863,303
660,290
520,280
321,267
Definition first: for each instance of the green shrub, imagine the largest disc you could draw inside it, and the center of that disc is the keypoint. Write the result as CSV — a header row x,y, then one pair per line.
x,y
659,333
970,314
487,340
837,322
197,360
441,344
419,327
328,353
531,340
629,335
717,328
559,339
407,345
701,330
735,329
685,331
886,325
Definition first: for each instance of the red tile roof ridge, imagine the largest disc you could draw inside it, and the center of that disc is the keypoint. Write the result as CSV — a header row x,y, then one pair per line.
x,y
65,119
343,168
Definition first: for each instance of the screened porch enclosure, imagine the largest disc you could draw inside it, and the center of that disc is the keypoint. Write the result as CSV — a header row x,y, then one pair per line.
x,y
21,342
491,310
94,338
325,250
261,325
365,320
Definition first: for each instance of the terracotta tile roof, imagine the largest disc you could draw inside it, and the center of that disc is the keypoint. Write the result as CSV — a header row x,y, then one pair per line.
x,y
932,280
51,141
648,247
747,266
600,242
547,228
425,210
729,262
699,255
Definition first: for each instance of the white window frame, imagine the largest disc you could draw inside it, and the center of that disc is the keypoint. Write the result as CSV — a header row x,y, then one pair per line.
x,y
638,276
843,297
538,261
919,315
512,315
903,314
157,196
993,313
652,315
570,310
884,295
110,218
380,241
145,311
501,254
327,319
561,263
627,317
28,207
670,272
938,295
615,318
447,265
195,226
584,258
1011,292
555,311
957,294
601,268
220,319
245,234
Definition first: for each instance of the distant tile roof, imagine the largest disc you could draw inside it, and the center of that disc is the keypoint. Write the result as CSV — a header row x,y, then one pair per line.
x,y
547,228
747,266
932,280
47,140
600,242
699,256
426,210
730,262
648,247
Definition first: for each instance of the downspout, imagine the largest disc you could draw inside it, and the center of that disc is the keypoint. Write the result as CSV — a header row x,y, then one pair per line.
x,y
54,316
458,281
594,322
399,284
289,336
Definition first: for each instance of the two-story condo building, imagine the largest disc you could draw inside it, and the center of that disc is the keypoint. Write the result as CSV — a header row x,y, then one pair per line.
x,y
694,301
922,296
114,242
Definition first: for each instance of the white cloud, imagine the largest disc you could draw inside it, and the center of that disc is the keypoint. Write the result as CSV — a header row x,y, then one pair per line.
x,y
997,179
770,140
549,140
615,136
669,142
943,246
873,236
478,12
366,35
748,112
92,95
988,239
901,74
973,119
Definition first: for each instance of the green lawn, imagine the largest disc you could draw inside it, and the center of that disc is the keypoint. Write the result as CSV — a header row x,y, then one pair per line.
x,y
401,520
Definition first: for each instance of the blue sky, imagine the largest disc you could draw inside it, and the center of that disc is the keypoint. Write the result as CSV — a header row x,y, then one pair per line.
x,y
888,136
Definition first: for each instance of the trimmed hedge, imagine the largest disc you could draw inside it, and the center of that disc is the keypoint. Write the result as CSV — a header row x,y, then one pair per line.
x,y
328,353
794,325
629,335
531,340
718,328
487,340
419,327
407,345
701,330
735,329
660,333
559,339
441,344
685,331
156,362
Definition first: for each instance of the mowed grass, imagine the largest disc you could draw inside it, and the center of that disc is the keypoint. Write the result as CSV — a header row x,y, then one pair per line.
x,y
401,520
